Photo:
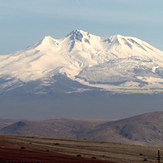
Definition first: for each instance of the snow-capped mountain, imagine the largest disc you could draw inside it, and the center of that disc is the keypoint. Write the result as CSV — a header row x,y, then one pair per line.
x,y
83,62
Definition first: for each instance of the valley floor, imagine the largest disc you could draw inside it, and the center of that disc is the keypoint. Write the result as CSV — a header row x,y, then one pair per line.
x,y
15,149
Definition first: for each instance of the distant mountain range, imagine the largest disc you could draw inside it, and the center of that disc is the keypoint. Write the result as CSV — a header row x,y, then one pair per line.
x,y
145,129
82,62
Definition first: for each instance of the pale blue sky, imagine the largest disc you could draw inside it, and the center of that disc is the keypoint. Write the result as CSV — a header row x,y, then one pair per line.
x,y
25,22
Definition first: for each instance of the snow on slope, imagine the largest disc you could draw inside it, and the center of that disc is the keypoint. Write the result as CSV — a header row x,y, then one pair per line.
x,y
116,63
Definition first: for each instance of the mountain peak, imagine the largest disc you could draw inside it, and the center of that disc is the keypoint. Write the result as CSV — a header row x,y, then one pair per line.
x,y
47,42
77,31
78,35
47,39
131,43
117,37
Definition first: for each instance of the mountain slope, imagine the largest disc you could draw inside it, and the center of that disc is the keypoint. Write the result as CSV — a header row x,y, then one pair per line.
x,y
117,63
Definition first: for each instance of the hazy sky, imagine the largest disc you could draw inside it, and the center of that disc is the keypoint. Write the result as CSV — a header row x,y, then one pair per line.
x,y
25,22
79,106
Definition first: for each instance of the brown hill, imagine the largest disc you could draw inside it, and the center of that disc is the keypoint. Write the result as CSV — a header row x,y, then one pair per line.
x,y
145,129
57,128
6,122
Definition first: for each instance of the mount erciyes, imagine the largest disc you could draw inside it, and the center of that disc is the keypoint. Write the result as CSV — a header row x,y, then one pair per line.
x,y
83,62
